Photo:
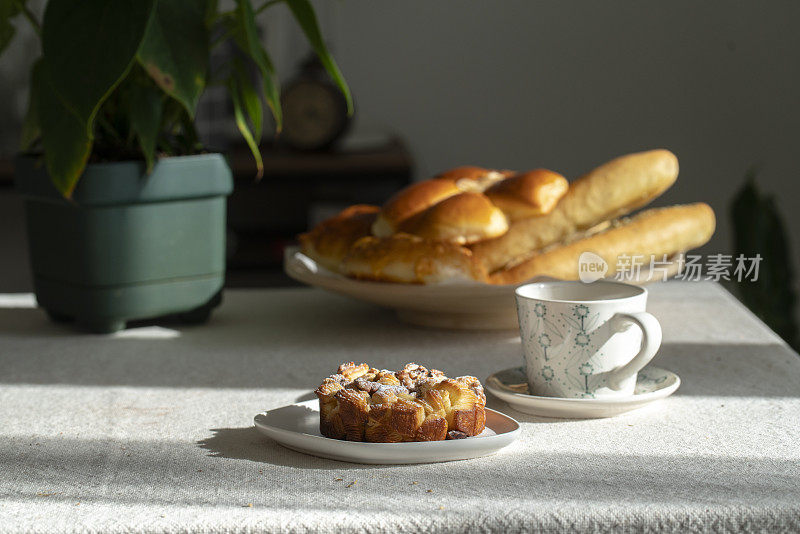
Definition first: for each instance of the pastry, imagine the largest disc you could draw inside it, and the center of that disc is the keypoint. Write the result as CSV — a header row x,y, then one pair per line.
x,y
329,241
463,218
410,259
528,194
501,227
656,232
360,403
410,201
609,191
474,174
469,204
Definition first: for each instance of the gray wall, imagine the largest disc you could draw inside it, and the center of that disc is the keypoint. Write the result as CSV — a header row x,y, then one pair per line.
x,y
567,85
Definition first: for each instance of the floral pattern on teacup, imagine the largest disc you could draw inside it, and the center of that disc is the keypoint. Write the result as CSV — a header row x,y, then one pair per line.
x,y
548,373
567,346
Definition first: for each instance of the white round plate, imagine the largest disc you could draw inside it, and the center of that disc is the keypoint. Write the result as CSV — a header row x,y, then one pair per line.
x,y
461,305
297,427
510,385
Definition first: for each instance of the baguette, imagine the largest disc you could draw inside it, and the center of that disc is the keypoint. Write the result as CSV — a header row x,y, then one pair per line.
x,y
657,232
609,191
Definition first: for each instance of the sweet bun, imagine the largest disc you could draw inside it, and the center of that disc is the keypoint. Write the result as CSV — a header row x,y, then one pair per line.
x,y
657,232
420,196
410,259
473,179
470,172
469,204
329,241
410,201
463,218
609,191
528,194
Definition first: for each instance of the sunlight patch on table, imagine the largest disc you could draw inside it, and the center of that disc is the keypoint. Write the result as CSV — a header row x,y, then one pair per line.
x,y
17,300
147,332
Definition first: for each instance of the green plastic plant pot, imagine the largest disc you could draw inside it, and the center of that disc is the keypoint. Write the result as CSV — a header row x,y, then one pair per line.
x,y
129,245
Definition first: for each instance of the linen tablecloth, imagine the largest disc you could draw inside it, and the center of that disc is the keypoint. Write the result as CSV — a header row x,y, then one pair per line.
x,y
151,429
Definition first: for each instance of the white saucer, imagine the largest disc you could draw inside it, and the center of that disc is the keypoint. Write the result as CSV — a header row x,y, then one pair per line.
x,y
510,385
297,427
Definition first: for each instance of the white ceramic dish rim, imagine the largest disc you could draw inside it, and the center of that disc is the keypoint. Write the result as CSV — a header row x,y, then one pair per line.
x,y
503,392
417,445
298,264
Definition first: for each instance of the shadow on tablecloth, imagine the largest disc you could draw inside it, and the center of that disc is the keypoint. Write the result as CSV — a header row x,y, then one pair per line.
x,y
247,444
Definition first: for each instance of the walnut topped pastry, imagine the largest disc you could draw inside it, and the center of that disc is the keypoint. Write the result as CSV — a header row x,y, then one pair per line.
x,y
360,403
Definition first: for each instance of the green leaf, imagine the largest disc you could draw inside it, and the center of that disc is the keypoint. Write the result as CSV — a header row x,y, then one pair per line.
x,y
66,144
146,107
272,96
8,10
30,125
245,34
303,12
759,228
174,50
250,100
244,128
212,8
89,46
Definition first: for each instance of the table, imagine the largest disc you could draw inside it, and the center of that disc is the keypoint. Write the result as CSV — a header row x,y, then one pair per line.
x,y
151,429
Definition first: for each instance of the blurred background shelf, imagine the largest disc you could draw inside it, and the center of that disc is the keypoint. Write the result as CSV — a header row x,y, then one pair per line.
x,y
298,190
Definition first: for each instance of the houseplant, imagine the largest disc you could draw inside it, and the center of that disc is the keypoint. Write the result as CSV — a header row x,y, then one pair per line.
x,y
125,208
759,230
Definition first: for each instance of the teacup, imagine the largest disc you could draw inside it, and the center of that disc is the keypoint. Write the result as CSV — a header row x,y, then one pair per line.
x,y
585,340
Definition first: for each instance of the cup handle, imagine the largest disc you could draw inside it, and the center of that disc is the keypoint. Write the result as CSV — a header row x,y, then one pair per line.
x,y
651,341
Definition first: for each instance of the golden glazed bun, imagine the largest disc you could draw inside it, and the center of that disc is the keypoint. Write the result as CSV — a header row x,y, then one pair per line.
x,y
410,201
410,259
329,241
468,172
657,232
469,204
528,194
473,179
609,191
462,218
361,403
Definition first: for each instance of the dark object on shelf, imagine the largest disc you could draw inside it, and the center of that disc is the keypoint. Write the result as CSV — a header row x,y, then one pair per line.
x,y
297,191
314,109
759,229
129,245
